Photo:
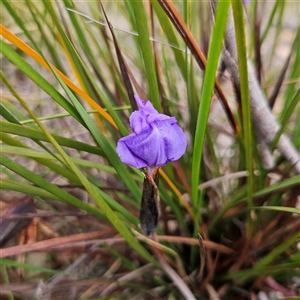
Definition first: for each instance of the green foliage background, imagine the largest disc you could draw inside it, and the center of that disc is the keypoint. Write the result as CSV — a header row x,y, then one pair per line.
x,y
64,106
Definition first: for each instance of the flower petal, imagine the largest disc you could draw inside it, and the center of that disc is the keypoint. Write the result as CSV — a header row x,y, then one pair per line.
x,y
138,121
126,155
145,105
175,141
162,142
143,147
157,138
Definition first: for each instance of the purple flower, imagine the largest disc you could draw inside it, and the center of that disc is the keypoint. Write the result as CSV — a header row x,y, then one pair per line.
x,y
157,138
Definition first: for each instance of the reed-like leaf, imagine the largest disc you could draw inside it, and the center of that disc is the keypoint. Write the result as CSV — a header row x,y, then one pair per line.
x,y
142,27
208,85
238,14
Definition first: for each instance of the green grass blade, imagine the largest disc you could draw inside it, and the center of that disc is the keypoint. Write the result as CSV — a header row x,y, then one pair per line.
x,y
277,251
270,21
46,185
142,28
17,60
268,270
5,279
238,14
7,115
91,189
286,117
280,208
275,188
208,85
27,189
15,264
81,67
17,148
106,146
172,40
293,87
20,130
22,149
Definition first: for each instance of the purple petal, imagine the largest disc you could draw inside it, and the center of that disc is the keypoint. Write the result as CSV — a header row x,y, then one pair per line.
x,y
174,138
127,157
162,142
140,119
145,105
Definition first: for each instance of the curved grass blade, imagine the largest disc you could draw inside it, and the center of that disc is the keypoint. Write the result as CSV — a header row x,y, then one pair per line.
x,y
122,65
15,264
20,130
17,60
80,65
267,270
275,188
142,28
46,185
169,32
13,12
292,210
91,189
29,51
191,43
266,260
108,199
238,14
22,148
286,117
105,144
6,184
208,85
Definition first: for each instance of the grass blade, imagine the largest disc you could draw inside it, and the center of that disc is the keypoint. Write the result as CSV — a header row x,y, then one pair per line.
x,y
238,14
142,27
208,85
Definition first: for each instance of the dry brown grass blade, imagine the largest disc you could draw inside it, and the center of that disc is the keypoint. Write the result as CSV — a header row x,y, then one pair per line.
x,y
242,255
213,294
280,79
127,278
257,42
211,271
191,241
112,241
275,286
159,250
43,215
139,90
50,243
181,176
200,58
177,280
63,287
122,65
283,235
11,227
202,258
204,30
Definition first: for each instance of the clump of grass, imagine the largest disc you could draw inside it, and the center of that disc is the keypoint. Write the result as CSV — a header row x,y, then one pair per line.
x,y
67,86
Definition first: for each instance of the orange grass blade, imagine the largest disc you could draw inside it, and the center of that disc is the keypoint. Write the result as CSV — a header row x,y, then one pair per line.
x,y
33,54
77,75
29,51
177,192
